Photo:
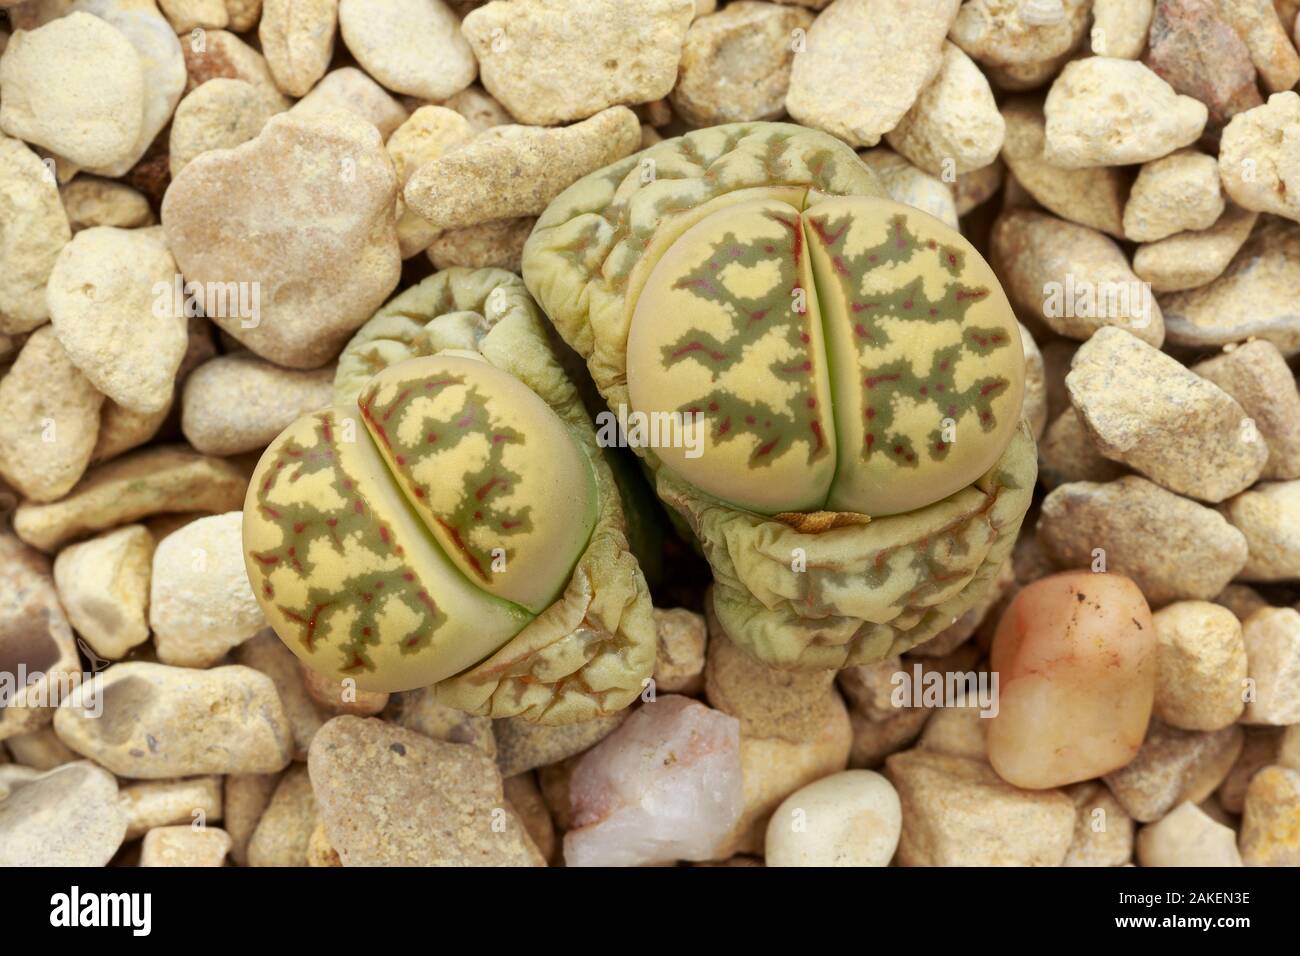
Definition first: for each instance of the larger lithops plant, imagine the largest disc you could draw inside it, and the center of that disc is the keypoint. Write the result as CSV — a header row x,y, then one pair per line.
x,y
451,520
842,375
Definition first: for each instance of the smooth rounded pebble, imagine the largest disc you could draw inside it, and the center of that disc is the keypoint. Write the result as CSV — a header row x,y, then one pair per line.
x,y
1200,665
1257,376
92,201
33,230
69,816
1190,259
220,114
410,46
352,91
200,602
852,818
297,38
1272,637
1269,516
1187,836
163,803
104,586
185,846
1177,193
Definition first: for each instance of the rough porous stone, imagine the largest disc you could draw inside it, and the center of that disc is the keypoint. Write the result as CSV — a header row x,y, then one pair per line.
x,y
285,827
1021,44
1259,157
266,652
390,796
958,812
489,245
1272,637
1066,453
554,61
1257,376
156,480
1174,766
1119,27
1191,259
736,63
954,126
1103,111
1198,53
1177,193
163,803
92,201
1072,278
161,721
522,746
429,133
679,665
104,586
1270,825
1255,295
297,38
33,230
909,184
419,710
200,602
220,114
1200,666
223,54
410,46
239,402
1144,409
303,214
50,420
1258,24
244,799
350,90
1171,546
111,305
1103,831
514,171
69,816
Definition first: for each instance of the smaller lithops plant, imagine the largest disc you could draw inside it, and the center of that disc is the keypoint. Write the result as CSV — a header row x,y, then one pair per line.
x,y
451,521
843,373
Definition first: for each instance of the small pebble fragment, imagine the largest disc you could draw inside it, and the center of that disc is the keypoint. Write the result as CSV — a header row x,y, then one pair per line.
x,y
852,818
69,816
1200,666
1187,836
1270,823
1177,193
185,846
1174,766
104,586
297,38
1272,637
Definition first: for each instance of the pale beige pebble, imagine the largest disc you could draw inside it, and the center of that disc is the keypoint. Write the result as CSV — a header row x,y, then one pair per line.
x,y
13,776
220,114
1066,453
1171,546
391,796
69,816
1187,836
352,91
1270,823
244,799
1021,43
1262,747
1103,832
1148,411
525,798
1272,637
1174,766
297,38
1092,197
489,245
319,851
284,830
954,126
1257,376
200,602
50,421
1253,298
419,710
1269,516
183,846
238,402
1119,27
92,201
977,186
1072,278
865,64
679,666
1259,26
104,586
243,14
1177,193
253,214
908,184
1241,599
187,15
1201,666
1191,259
554,61
874,740
1076,658
265,652
1103,111
959,731
159,721
427,134
477,105
39,749
958,812
35,640
163,803
514,171
111,305
851,818
736,63
410,46
74,86
1259,157
220,53
33,230
523,746
342,696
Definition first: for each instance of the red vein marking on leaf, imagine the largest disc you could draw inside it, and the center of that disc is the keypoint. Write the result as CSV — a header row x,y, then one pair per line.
x,y
459,542
483,490
871,381
699,347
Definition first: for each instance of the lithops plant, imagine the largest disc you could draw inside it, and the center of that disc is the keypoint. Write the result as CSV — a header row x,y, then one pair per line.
x,y
451,521
843,376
